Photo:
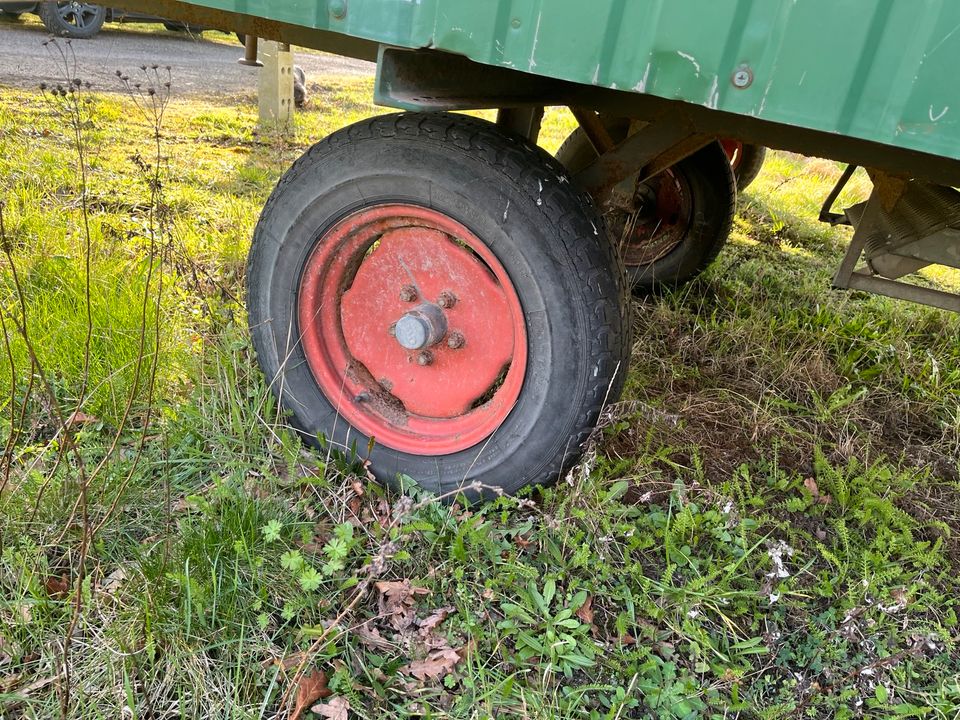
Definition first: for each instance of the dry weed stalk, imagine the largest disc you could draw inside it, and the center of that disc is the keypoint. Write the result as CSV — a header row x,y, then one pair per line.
x,y
70,104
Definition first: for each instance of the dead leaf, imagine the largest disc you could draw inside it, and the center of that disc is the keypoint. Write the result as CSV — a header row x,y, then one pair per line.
x,y
312,687
399,591
396,601
627,639
585,611
436,665
521,542
112,582
57,587
467,649
316,544
430,623
811,485
372,638
335,709
80,418
287,663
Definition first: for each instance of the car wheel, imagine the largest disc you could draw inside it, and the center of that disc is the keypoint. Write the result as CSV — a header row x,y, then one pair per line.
x,y
72,19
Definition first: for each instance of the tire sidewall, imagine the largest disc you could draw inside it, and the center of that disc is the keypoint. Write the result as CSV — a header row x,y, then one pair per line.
x,y
508,221
51,19
751,162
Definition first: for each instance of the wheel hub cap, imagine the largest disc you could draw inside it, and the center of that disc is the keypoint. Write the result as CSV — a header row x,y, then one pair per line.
x,y
421,327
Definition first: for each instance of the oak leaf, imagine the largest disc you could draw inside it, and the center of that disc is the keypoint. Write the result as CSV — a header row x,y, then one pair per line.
x,y
372,638
437,664
396,601
312,687
431,622
337,708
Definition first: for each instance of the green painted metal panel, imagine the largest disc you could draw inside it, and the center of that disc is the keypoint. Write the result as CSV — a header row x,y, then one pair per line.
x,y
880,70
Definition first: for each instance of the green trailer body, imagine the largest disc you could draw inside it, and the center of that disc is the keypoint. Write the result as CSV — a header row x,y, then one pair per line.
x,y
878,70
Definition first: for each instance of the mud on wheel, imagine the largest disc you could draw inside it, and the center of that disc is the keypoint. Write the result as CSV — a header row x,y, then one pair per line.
x,y
680,219
435,285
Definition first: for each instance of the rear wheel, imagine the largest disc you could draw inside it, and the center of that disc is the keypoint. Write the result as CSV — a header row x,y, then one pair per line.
x,y
72,19
746,160
429,283
681,217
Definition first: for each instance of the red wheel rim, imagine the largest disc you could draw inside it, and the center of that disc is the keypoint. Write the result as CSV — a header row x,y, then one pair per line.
x,y
389,262
734,151
660,222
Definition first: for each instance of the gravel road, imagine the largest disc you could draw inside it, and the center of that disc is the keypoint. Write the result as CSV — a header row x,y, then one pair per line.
x,y
199,67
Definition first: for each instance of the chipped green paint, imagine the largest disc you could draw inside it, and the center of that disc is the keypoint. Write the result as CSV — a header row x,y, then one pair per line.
x,y
881,70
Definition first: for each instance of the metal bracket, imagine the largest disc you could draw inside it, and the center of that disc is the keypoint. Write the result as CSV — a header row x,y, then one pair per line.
x,y
656,146
826,213
886,209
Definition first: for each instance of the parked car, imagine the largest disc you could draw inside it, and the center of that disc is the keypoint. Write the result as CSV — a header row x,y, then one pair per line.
x,y
83,20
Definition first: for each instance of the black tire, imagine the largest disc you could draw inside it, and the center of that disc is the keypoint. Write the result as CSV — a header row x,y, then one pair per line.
x,y
64,19
749,164
567,277
707,180
176,27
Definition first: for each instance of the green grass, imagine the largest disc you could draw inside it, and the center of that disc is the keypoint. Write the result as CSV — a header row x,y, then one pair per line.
x,y
765,527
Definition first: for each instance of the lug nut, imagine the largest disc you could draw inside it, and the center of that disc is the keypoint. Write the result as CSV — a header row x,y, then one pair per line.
x,y
447,300
408,293
424,358
455,341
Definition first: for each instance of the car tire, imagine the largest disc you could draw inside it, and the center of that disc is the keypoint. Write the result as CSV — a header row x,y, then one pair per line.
x,y
72,20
